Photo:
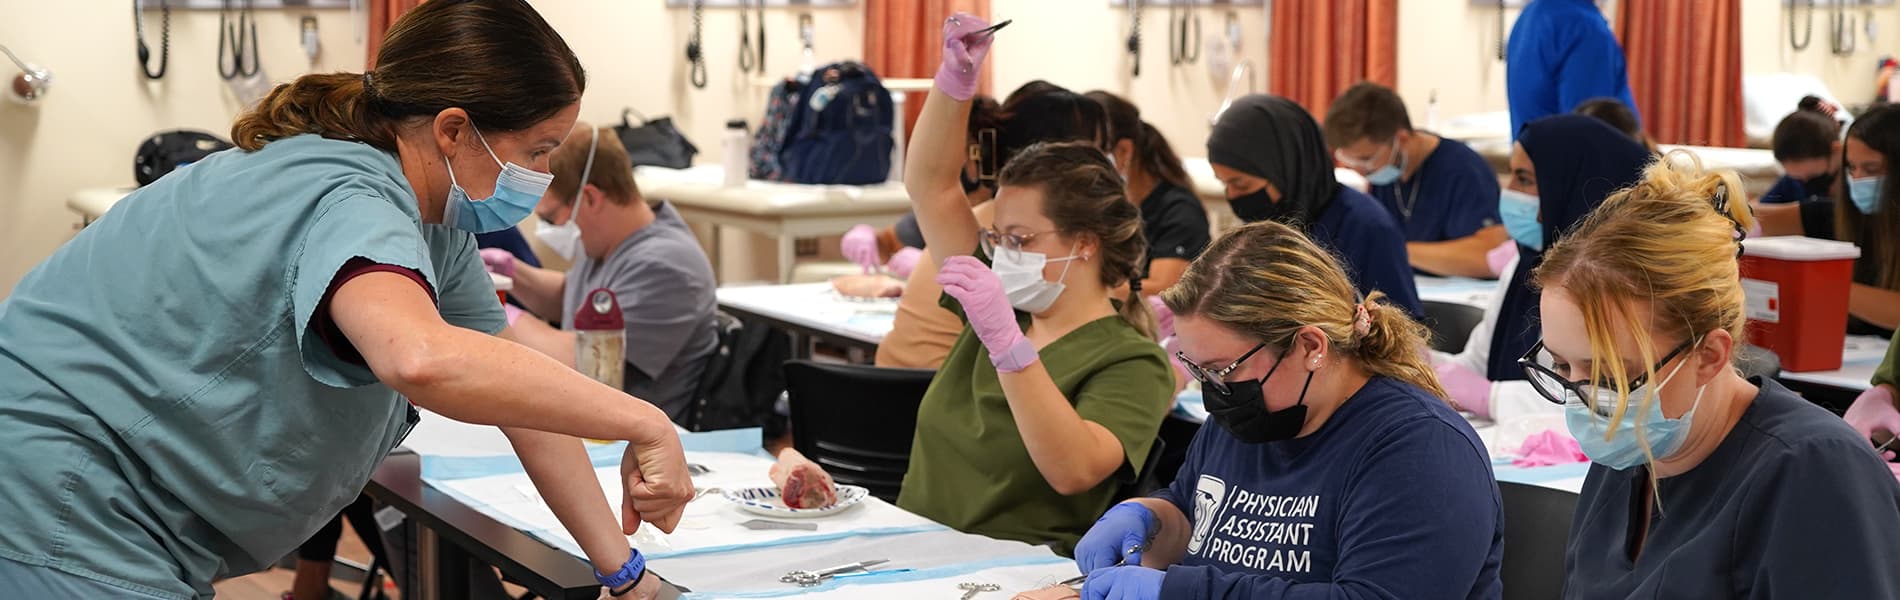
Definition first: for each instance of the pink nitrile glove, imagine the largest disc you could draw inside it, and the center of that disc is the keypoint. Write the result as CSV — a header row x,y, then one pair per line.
x,y
1549,448
963,55
1872,413
986,306
1469,389
1500,257
1164,318
859,246
903,263
513,313
498,261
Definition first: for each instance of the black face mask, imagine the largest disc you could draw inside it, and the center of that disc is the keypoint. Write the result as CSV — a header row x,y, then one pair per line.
x,y
1819,186
1257,207
1242,411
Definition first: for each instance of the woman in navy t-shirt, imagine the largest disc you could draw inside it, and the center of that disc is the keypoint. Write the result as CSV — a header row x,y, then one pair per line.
x,y
1334,469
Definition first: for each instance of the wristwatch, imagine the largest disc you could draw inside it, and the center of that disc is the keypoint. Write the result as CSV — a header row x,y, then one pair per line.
x,y
628,574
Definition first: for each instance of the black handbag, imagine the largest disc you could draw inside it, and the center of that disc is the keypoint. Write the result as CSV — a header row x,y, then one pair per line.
x,y
654,142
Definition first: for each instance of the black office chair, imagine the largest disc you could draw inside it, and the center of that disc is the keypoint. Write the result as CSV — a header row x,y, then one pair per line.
x,y
1536,532
856,421
1451,324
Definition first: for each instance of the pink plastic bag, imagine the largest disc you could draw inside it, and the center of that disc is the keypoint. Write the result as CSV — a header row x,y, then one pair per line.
x,y
1549,448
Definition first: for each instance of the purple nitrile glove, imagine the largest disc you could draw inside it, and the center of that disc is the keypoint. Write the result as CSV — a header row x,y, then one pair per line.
x,y
499,261
963,55
860,246
1164,318
1469,390
1124,583
513,313
1117,538
1500,257
903,263
1873,412
987,308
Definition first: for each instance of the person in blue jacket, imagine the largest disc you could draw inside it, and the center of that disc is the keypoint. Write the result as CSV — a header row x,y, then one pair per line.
x,y
1272,158
1333,468
1562,53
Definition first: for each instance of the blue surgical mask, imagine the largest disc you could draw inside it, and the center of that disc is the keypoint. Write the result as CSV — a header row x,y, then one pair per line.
x,y
1624,449
1865,192
1519,212
517,190
1388,174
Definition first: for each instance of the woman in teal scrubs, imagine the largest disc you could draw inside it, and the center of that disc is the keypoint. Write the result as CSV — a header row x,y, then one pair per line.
x,y
199,380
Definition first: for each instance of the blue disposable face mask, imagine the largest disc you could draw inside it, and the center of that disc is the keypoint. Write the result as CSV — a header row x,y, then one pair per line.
x,y
1663,436
1519,211
517,190
1865,192
1388,174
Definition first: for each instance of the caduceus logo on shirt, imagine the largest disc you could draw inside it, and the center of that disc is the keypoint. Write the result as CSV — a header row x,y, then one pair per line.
x,y
1210,498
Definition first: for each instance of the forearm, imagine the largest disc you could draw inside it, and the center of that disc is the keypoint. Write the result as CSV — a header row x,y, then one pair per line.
x,y
1163,273
931,167
543,338
475,378
539,290
1874,305
1169,546
1780,219
1462,257
1073,454
564,476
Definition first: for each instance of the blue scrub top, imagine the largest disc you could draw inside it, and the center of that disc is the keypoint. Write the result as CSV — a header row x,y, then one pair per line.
x,y
170,414
1371,246
1453,194
1561,53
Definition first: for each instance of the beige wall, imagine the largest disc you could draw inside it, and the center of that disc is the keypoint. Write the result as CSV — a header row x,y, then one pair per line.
x,y
1765,49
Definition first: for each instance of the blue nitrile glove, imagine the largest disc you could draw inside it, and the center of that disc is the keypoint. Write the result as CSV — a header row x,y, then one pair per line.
x,y
1123,583
1116,538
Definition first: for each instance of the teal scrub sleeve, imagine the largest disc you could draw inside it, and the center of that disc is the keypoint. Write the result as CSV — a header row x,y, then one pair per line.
x,y
356,226
465,295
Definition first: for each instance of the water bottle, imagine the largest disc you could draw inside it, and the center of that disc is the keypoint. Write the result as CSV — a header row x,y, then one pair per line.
x,y
738,148
600,341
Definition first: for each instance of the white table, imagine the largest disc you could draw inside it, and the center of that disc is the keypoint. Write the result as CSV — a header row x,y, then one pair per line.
x,y
1490,136
781,211
1460,290
92,203
1860,355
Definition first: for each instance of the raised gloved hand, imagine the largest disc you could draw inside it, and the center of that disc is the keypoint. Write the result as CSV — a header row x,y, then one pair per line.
x,y
860,246
987,308
1123,583
1469,390
1500,257
1874,416
963,55
904,262
1164,318
1118,537
498,261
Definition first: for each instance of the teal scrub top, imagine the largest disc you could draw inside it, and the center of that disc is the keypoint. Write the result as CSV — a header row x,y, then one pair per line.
x,y
168,415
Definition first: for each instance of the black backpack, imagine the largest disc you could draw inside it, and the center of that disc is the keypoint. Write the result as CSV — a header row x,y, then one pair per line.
x,y
743,380
165,151
840,132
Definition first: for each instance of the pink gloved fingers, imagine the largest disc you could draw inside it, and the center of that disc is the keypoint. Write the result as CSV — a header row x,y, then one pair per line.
x,y
512,313
903,263
859,245
1470,390
1500,257
498,261
1873,413
985,305
963,55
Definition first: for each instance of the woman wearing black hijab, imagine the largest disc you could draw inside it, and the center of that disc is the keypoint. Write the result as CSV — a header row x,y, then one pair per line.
x,y
1562,167
1270,155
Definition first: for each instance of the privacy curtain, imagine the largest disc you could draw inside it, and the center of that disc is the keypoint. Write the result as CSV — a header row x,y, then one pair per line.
x,y
903,39
1321,47
1685,66
382,14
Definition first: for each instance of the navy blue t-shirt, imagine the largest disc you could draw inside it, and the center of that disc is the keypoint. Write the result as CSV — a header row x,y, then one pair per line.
x,y
1369,241
1393,497
1792,504
1786,189
1453,194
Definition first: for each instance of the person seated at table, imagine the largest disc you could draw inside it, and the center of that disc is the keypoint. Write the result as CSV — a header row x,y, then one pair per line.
x,y
1875,414
1172,218
1438,190
1703,484
1865,212
1807,143
594,216
1562,167
923,331
1053,394
1270,155
1333,468
1619,116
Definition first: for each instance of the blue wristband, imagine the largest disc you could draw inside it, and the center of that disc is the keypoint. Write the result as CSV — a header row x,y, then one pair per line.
x,y
636,566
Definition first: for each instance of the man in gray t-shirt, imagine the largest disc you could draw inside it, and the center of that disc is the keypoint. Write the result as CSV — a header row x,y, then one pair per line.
x,y
643,252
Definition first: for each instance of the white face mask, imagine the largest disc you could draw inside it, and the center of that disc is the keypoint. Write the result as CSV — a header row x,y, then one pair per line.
x,y
1021,274
565,239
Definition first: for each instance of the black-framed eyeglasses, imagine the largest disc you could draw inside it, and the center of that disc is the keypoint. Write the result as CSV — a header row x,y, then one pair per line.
x,y
1540,369
991,240
1216,379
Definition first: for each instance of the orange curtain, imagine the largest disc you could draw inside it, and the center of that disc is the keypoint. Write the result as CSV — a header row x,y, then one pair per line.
x,y
1685,66
382,14
1322,47
903,39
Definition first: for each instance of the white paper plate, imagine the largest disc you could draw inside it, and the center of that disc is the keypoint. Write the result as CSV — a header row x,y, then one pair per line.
x,y
765,501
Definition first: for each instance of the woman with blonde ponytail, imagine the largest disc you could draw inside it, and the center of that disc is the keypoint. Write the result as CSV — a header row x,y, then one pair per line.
x,y
203,378
1333,467
1704,484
